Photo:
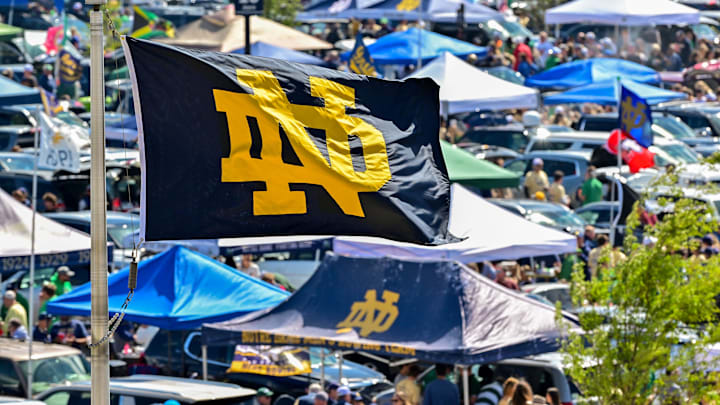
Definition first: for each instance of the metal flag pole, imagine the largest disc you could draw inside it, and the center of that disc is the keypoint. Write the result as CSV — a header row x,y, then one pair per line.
x,y
618,154
31,292
100,369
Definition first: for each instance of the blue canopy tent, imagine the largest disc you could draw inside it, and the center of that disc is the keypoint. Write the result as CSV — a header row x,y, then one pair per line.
x,y
433,311
277,52
584,72
403,48
178,290
605,93
12,92
428,10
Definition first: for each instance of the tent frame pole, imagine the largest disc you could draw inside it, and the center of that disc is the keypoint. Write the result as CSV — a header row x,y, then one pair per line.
x,y
203,350
31,291
322,368
340,367
466,386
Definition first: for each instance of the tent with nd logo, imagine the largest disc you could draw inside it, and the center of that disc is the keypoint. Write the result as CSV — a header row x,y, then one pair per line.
x,y
433,311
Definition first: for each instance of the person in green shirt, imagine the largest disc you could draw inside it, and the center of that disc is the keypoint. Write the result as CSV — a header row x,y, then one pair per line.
x,y
61,279
592,188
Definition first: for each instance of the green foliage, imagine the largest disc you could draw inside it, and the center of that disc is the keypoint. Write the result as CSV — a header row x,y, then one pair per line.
x,y
650,319
283,11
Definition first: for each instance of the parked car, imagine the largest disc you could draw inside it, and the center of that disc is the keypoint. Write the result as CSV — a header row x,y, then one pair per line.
x,y
186,359
151,389
597,214
573,164
543,213
16,162
553,292
19,401
53,365
541,372
11,181
703,118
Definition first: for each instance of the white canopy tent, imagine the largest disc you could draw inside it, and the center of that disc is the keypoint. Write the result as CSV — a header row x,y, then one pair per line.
x,y
465,88
623,13
490,232
55,244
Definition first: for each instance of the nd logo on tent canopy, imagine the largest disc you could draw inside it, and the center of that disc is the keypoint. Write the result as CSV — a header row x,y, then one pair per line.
x,y
371,315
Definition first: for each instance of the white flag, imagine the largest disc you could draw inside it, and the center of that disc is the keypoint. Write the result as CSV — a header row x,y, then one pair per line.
x,y
60,145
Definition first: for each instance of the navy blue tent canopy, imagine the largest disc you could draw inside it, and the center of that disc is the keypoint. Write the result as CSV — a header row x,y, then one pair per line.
x,y
584,72
433,311
178,290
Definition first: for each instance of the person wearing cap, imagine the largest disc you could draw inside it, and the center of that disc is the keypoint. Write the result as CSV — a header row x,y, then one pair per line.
x,y
41,332
61,280
591,190
536,179
321,398
357,399
29,72
14,311
344,395
264,396
309,398
71,332
47,79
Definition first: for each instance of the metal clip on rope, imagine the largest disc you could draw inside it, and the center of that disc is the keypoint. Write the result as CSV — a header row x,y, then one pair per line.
x,y
116,320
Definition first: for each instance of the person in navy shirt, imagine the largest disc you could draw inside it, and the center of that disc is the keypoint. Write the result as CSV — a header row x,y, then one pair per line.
x,y
441,391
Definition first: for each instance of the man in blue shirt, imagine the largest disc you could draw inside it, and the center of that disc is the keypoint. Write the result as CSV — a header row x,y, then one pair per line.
x,y
41,332
441,391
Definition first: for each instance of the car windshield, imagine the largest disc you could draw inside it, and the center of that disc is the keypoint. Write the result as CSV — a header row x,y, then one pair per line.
x,y
714,121
19,162
71,119
118,233
675,127
680,152
509,28
55,371
554,216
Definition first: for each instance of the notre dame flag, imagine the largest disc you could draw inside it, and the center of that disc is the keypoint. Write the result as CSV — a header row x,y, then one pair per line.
x,y
235,145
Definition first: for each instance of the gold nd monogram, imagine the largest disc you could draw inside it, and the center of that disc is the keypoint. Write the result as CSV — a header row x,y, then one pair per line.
x,y
269,111
408,5
633,115
371,315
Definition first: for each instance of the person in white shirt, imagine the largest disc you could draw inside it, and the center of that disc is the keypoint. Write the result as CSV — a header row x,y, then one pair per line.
x,y
248,267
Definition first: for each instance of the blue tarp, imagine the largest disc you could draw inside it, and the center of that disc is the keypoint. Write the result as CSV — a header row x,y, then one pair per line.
x,y
584,72
289,55
178,290
12,93
433,311
605,93
403,48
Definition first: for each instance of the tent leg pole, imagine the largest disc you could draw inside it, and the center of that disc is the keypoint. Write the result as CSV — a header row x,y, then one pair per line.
x,y
466,385
31,291
340,368
322,368
204,362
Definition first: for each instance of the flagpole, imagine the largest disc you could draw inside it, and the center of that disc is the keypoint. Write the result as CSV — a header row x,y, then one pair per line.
x,y
618,153
100,371
31,292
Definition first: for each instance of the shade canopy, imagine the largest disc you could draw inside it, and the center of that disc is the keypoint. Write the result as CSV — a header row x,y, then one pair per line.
x,y
428,10
466,169
584,72
605,93
178,290
404,47
433,311
464,88
12,93
55,244
490,232
225,32
260,48
623,12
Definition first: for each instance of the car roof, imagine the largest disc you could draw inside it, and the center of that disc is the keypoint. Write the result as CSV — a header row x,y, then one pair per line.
x,y
576,154
526,203
17,350
540,287
18,401
602,116
113,217
597,204
181,389
577,136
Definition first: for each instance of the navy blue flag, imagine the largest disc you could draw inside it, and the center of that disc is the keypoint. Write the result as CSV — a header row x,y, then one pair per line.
x,y
360,60
635,117
70,69
235,145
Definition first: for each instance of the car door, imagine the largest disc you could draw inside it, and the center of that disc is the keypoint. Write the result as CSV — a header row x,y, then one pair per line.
x,y
10,383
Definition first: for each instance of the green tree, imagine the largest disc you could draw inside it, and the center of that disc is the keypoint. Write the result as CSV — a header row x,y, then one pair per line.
x,y
283,11
651,317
